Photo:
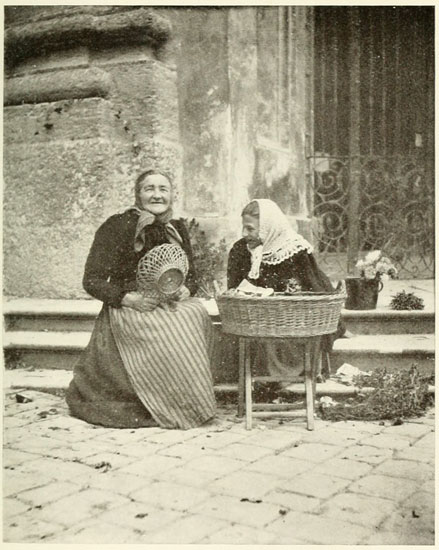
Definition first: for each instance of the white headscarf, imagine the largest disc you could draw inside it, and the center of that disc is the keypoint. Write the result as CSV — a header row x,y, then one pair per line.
x,y
279,240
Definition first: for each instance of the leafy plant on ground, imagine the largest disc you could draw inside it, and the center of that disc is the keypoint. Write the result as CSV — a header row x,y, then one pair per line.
x,y
209,259
406,300
394,396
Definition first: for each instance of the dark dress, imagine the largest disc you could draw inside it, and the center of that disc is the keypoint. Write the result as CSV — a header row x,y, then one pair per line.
x,y
302,267
101,391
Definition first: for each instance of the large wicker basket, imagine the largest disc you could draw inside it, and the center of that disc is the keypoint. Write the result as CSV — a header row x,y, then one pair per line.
x,y
301,314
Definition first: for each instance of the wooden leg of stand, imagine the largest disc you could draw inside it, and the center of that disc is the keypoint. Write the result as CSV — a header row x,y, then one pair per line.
x,y
241,378
309,387
248,388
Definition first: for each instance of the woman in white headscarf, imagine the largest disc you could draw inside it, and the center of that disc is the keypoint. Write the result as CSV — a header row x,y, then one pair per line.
x,y
145,365
272,255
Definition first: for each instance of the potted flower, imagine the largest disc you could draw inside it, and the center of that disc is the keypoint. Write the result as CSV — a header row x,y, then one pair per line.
x,y
362,291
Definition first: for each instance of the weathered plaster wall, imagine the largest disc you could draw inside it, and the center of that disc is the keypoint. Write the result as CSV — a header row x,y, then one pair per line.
x,y
91,100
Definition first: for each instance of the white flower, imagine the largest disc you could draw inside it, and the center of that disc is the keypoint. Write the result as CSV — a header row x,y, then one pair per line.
x,y
373,256
384,277
370,272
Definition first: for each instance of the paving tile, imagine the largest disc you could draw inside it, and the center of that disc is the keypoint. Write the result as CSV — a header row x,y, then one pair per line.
x,y
184,450
361,427
13,506
410,519
428,486
386,441
365,453
169,495
97,532
274,439
429,440
384,486
417,454
292,501
59,469
183,475
117,482
16,482
72,509
70,452
240,534
113,460
317,529
48,493
355,508
215,463
219,440
245,484
399,538
169,437
151,466
280,465
27,528
314,452
406,469
315,485
12,457
346,469
140,516
253,512
244,452
188,530
332,436
408,429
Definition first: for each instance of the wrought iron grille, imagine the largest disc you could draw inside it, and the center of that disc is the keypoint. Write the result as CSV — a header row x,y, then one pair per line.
x,y
371,202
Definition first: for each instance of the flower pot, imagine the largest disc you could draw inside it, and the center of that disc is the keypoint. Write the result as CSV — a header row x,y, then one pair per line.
x,y
362,293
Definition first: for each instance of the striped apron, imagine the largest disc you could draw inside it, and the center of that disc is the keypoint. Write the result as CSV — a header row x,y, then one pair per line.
x,y
167,357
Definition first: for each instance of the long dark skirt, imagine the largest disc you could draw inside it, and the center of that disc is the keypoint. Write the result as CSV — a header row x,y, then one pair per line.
x,y
101,391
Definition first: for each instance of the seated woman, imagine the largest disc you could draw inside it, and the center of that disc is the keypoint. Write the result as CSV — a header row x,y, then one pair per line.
x,y
272,255
145,365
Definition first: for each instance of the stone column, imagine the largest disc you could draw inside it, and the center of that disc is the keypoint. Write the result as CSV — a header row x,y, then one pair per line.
x,y
90,100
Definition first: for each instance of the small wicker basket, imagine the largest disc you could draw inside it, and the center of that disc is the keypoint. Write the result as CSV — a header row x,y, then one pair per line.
x,y
163,269
278,316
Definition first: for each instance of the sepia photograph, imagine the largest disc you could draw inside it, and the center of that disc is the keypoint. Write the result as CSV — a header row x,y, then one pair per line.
x,y
219,273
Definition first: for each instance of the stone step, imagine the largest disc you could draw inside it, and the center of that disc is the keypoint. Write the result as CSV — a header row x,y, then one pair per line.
x,y
79,315
50,380
59,350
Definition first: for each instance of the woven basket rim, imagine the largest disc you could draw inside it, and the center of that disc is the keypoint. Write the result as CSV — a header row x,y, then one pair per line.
x,y
299,297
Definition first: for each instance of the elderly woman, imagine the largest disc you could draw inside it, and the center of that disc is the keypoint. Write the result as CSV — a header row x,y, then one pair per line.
x,y
272,255
146,364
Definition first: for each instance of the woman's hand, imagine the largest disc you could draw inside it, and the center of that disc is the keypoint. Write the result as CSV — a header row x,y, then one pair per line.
x,y
182,294
139,302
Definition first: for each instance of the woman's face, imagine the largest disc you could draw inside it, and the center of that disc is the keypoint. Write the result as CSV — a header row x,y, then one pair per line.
x,y
155,194
250,230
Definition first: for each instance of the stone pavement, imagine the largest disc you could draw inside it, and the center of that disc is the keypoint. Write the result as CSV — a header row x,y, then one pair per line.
x,y
345,483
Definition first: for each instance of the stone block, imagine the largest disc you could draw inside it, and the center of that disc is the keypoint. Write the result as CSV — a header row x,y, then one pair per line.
x,y
167,495
97,532
151,466
365,453
48,493
315,485
242,451
140,516
239,534
355,508
26,528
314,452
234,510
317,530
13,507
188,530
293,501
71,510
246,484
280,465
346,469
221,465
383,486
418,471
418,454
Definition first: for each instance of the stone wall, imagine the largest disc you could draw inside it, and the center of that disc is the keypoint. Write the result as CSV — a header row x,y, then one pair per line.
x,y
91,100
219,97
